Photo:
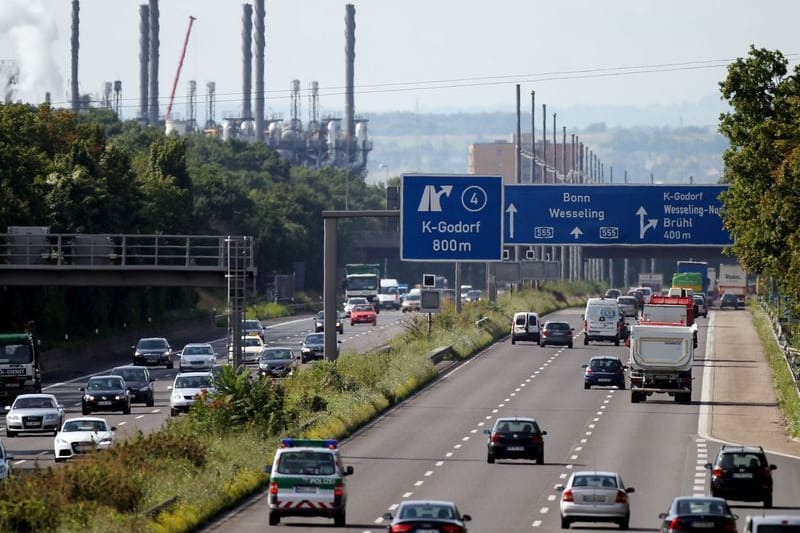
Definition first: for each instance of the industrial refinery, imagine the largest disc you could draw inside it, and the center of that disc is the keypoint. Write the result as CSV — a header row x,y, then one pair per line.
x,y
337,141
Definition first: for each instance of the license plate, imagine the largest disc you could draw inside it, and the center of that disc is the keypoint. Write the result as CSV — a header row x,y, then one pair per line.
x,y
742,475
515,448
604,380
104,403
594,498
703,525
427,530
305,490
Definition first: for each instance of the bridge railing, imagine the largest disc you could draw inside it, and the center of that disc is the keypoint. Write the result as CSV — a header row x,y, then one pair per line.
x,y
110,251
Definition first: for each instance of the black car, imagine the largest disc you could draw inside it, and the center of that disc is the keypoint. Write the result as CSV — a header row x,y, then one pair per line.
x,y
742,473
139,382
105,393
427,515
698,513
604,371
313,347
557,333
319,322
515,438
612,293
730,300
152,351
277,362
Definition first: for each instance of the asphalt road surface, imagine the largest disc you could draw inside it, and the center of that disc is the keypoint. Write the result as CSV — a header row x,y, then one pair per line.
x,y
432,446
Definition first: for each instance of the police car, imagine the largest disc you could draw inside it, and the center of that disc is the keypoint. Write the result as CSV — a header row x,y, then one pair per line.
x,y
307,479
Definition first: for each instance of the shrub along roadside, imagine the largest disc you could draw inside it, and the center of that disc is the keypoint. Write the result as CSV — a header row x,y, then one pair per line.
x,y
211,460
782,382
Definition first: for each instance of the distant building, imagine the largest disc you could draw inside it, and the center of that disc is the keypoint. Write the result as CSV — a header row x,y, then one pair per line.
x,y
498,159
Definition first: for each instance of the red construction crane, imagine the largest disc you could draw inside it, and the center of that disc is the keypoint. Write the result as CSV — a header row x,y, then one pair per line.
x,y
178,72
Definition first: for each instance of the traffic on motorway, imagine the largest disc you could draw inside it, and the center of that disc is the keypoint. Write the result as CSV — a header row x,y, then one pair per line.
x,y
33,422
510,441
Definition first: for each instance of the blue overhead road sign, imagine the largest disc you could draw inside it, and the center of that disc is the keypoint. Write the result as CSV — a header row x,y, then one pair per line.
x,y
614,215
451,218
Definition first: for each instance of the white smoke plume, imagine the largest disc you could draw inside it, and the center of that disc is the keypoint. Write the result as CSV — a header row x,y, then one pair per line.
x,y
31,28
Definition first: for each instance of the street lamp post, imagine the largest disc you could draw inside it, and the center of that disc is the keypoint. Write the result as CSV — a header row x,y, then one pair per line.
x,y
386,174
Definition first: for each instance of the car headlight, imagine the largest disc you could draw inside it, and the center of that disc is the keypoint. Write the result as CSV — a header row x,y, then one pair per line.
x,y
105,439
88,398
177,397
137,353
50,416
120,396
12,418
61,441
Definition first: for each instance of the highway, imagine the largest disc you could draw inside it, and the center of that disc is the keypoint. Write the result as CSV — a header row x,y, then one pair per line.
x,y
30,450
432,446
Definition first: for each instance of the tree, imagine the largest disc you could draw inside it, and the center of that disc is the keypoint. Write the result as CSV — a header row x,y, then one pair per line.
x,y
761,209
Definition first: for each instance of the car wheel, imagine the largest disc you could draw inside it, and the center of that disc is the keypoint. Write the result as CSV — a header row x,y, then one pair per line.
x,y
85,411
173,412
151,401
569,345
59,459
513,340
127,410
339,519
585,340
616,341
768,502
564,523
490,458
274,518
635,398
622,386
540,458
341,331
303,359
625,523
587,386
171,364
10,434
352,323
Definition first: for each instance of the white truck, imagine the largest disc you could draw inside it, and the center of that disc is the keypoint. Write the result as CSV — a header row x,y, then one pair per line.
x,y
661,358
733,280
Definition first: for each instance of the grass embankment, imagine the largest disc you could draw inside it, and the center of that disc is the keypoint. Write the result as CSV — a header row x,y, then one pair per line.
x,y
784,385
199,465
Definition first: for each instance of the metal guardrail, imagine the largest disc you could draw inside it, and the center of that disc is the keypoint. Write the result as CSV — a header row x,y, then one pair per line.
x,y
439,354
791,355
65,251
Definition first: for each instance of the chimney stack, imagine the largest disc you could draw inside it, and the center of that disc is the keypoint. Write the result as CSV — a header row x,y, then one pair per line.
x,y
260,38
350,56
74,63
247,60
154,43
144,60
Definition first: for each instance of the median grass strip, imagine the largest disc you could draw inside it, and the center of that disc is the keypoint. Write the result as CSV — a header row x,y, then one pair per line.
x,y
196,466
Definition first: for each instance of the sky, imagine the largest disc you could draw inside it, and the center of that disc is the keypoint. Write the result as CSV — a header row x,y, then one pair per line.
x,y
411,55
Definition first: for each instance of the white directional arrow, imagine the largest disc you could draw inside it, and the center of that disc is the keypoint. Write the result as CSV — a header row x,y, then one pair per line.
x,y
576,232
651,222
511,210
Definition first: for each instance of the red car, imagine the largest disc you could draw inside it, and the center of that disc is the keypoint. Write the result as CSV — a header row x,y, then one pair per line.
x,y
363,314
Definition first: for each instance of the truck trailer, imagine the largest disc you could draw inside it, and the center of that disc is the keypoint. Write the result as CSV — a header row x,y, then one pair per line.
x,y
661,358
20,364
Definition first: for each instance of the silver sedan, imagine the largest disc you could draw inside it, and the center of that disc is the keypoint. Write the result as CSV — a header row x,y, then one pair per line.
x,y
34,413
595,497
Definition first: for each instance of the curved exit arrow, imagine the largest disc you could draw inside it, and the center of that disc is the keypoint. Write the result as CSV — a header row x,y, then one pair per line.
x,y
651,222
511,210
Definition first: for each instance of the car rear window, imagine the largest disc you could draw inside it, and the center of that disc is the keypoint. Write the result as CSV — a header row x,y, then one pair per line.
x,y
595,482
516,426
427,511
557,326
520,320
626,300
307,463
739,460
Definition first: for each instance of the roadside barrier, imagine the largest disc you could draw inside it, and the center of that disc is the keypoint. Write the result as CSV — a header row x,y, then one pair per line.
x,y
792,355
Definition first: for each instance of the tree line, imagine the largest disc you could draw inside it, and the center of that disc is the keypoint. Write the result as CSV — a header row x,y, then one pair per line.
x,y
91,173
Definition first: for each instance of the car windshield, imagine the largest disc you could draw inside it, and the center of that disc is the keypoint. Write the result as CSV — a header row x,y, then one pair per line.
x,y
15,353
557,326
271,355
362,284
105,384
252,324
34,402
362,308
427,511
252,341
314,339
355,301
85,425
413,297
131,374
595,482
192,382
516,426
198,350
307,463
627,300
152,344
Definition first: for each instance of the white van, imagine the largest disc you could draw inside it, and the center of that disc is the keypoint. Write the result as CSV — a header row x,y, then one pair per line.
x,y
601,321
525,326
772,524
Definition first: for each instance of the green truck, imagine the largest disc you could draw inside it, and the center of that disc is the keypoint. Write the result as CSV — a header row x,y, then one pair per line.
x,y
20,364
